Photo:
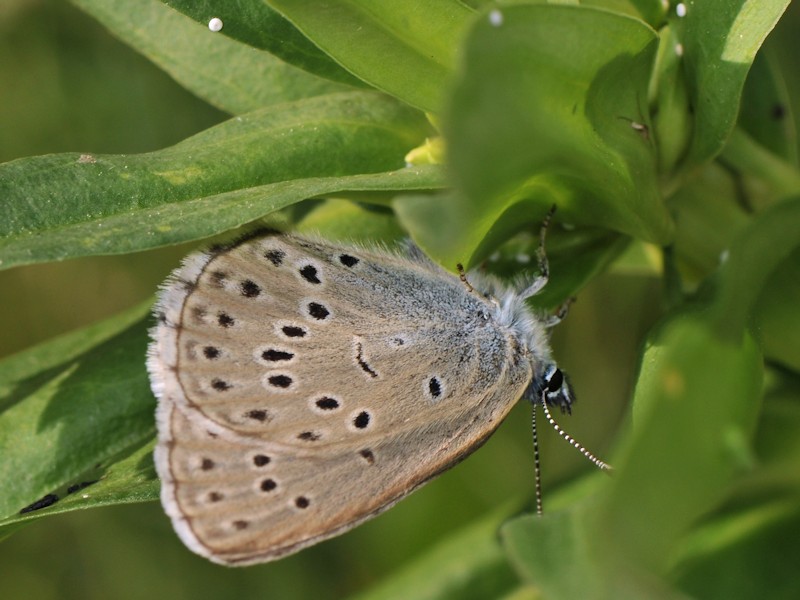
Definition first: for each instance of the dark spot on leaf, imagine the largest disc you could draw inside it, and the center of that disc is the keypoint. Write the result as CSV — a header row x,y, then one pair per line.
x,y
41,503
79,486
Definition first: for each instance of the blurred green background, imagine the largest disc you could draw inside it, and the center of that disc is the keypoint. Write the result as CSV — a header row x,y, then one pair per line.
x,y
69,86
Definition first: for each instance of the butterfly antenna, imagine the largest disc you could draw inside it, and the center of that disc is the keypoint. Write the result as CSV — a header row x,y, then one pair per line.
x,y
536,466
572,442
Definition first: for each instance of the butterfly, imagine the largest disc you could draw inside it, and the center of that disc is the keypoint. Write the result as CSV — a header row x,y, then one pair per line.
x,y
306,386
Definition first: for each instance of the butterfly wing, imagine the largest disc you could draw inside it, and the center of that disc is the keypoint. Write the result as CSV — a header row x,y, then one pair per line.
x,y
305,387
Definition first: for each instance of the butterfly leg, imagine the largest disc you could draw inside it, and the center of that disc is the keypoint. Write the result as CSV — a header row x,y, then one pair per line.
x,y
462,275
560,314
541,258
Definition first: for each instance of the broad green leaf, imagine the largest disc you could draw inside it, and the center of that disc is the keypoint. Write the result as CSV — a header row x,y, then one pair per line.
x,y
695,400
542,113
254,23
127,478
70,406
750,546
68,205
407,48
720,39
697,395
230,75
203,217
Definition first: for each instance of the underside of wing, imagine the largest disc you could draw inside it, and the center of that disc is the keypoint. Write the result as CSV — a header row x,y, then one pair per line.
x,y
304,387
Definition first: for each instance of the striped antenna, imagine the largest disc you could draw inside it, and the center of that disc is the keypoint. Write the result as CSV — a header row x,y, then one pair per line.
x,y
536,466
599,463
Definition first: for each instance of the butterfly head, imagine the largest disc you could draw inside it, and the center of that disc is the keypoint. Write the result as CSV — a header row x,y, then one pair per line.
x,y
552,386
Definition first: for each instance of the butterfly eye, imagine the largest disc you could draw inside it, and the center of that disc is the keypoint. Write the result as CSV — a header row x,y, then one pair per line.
x,y
554,379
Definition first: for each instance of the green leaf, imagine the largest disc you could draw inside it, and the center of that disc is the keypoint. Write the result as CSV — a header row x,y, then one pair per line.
x,y
542,113
126,479
695,404
720,39
256,24
70,407
749,546
68,205
697,395
406,48
231,76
